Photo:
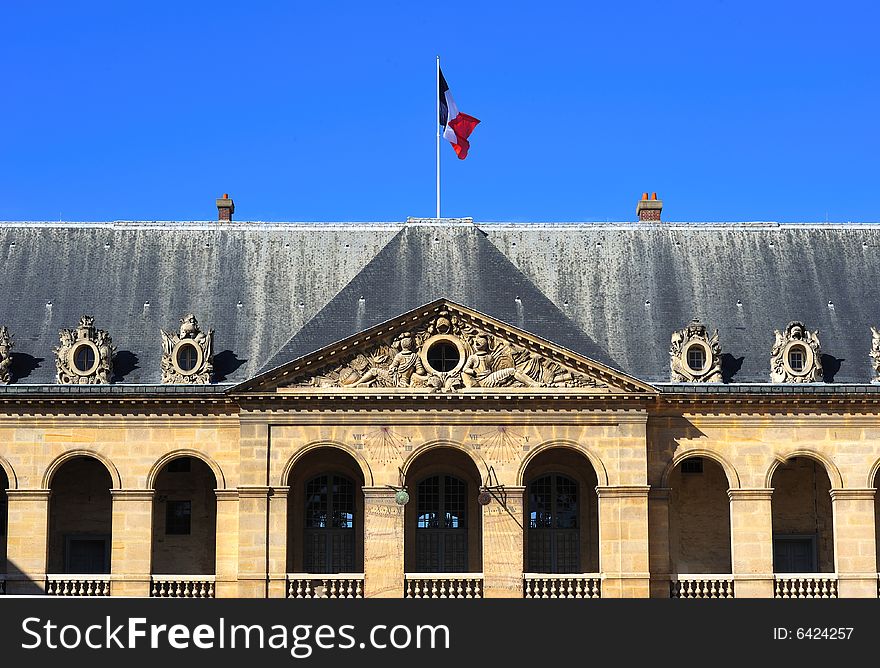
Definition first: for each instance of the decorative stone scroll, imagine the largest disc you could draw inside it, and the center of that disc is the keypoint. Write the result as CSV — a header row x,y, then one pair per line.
x,y
188,356
694,356
796,356
6,345
447,354
85,356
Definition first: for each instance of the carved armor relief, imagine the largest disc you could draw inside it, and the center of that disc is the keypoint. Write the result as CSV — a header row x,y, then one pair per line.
x,y
6,345
796,356
447,354
85,356
694,356
188,355
875,354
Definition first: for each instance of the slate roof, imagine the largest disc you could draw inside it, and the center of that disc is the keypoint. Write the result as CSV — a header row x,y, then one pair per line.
x,y
274,291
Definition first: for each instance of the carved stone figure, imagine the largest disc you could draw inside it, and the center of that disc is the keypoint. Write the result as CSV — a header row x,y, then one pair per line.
x,y
487,361
683,340
85,356
188,356
6,345
492,365
796,356
875,354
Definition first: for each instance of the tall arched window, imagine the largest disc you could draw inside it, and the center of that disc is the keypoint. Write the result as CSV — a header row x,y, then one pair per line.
x,y
553,525
329,525
441,525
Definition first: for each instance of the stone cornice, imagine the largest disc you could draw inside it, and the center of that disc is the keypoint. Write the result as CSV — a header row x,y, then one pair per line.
x,y
132,494
750,493
862,494
623,491
28,493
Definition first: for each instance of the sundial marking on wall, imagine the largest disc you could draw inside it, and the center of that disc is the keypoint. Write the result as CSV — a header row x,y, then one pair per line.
x,y
384,445
501,444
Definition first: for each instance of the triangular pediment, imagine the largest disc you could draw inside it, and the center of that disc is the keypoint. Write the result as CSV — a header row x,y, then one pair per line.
x,y
443,347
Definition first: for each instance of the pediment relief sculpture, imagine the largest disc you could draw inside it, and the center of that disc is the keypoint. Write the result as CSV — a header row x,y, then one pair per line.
x,y
85,356
6,345
694,356
188,354
447,354
796,356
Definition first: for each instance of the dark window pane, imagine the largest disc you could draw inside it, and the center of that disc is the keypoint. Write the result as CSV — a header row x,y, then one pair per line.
x,y
441,525
187,356
178,518
84,358
329,525
443,356
554,535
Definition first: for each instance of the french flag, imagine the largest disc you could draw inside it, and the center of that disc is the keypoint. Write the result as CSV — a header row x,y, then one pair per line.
x,y
457,127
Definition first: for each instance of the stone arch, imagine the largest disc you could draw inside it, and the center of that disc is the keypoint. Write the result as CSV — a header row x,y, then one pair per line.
x,y
61,459
366,471
11,480
872,474
830,467
728,468
156,469
426,447
592,457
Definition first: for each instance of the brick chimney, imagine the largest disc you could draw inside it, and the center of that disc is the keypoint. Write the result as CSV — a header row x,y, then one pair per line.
x,y
225,208
647,209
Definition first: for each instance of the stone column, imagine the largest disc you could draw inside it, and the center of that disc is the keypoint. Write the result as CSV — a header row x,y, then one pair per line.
x,y
226,551
623,541
659,552
278,542
855,549
132,542
383,544
503,544
751,542
27,540
253,511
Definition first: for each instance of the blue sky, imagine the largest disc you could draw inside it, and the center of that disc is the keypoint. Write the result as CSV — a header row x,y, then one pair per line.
x,y
729,110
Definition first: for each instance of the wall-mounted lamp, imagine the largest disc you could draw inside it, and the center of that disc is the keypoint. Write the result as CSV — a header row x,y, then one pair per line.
x,y
401,495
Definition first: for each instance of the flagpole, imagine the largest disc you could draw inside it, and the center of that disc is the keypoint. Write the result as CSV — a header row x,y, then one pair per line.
x,y
437,120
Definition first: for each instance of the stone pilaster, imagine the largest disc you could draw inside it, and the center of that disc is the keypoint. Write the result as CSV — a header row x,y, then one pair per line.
x,y
623,541
383,544
503,544
253,510
131,548
278,542
659,552
751,539
855,550
27,535
226,558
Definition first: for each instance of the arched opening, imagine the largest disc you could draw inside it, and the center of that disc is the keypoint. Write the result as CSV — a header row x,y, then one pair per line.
x,y
699,517
443,519
80,518
184,518
561,514
803,534
876,481
325,514
4,513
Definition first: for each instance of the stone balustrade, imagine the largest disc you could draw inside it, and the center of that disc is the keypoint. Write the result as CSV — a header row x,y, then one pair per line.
x,y
701,586
337,585
562,585
443,585
182,586
806,585
78,585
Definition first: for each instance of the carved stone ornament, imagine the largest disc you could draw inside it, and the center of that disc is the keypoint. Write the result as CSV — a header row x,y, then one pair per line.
x,y
188,355
85,356
796,356
694,356
6,345
447,354
875,354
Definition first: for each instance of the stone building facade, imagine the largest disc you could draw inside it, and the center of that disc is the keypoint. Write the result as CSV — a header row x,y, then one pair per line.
x,y
440,409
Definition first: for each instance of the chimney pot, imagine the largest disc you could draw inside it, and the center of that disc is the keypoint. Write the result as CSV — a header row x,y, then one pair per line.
x,y
225,208
648,210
